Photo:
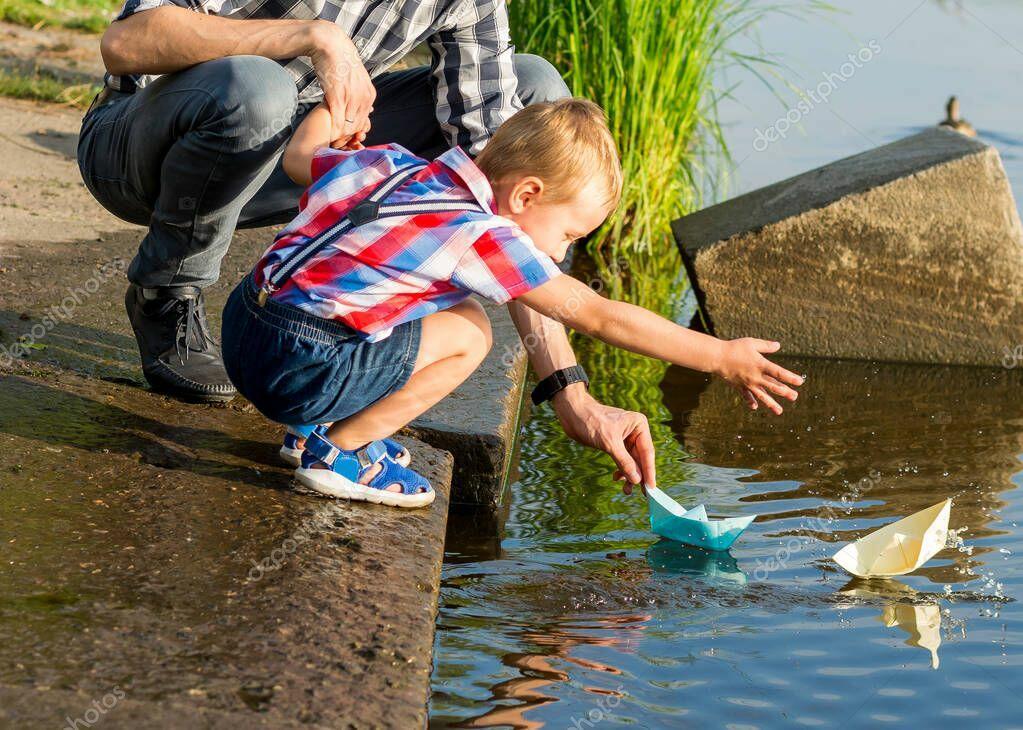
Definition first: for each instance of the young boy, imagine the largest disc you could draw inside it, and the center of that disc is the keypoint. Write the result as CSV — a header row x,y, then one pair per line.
x,y
357,318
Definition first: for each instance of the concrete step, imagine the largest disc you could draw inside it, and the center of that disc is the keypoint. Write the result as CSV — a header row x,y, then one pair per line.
x,y
161,548
910,252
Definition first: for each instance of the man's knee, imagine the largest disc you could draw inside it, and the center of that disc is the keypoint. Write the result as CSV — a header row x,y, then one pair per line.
x,y
538,80
254,97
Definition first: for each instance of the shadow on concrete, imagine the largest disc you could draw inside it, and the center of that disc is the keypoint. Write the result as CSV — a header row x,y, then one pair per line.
x,y
75,347
33,410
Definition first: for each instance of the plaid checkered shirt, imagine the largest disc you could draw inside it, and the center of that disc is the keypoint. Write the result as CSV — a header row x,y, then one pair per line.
x,y
471,51
404,267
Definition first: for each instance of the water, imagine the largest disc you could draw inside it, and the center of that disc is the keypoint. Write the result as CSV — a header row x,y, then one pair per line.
x,y
577,614
914,56
580,605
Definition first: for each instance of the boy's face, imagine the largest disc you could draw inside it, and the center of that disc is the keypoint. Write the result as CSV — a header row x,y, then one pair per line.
x,y
552,226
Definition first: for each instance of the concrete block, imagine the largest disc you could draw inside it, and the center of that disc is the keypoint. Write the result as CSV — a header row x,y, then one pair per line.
x,y
910,252
162,549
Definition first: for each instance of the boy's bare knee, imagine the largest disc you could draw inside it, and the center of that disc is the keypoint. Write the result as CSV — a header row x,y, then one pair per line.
x,y
480,336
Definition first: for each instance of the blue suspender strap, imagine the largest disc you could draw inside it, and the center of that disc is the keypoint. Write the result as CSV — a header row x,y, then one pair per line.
x,y
300,256
368,209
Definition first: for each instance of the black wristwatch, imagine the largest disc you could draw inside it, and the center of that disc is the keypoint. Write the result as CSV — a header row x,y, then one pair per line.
x,y
558,380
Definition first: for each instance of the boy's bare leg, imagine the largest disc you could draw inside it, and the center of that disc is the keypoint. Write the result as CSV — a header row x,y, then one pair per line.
x,y
452,345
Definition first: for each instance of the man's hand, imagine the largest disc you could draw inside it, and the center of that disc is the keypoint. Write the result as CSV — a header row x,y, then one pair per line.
x,y
622,434
347,89
741,365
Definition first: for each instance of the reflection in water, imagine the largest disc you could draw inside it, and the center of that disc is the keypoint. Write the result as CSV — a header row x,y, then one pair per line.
x,y
718,568
905,608
552,646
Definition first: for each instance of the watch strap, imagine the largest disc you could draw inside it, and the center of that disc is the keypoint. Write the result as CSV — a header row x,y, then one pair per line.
x,y
557,381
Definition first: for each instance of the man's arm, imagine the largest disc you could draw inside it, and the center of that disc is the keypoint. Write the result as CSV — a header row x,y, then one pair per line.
x,y
625,435
169,38
160,38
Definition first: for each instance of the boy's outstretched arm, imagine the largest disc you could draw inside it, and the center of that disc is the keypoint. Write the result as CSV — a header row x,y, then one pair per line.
x,y
741,363
313,133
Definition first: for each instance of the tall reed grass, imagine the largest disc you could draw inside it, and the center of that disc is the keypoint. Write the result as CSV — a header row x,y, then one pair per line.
x,y
649,64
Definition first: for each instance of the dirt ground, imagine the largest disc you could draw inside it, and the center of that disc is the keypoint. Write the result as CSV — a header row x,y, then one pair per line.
x,y
66,54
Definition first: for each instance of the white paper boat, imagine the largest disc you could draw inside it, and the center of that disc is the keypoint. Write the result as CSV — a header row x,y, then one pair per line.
x,y
670,519
900,547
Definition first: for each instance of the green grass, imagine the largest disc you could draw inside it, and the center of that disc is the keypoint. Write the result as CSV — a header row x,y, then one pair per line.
x,y
41,87
91,16
650,64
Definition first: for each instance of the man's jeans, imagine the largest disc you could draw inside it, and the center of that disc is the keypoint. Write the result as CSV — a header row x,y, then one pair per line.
x,y
196,153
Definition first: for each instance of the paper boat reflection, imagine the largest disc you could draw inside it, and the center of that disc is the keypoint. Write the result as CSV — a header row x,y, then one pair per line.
x,y
900,547
906,609
716,568
670,519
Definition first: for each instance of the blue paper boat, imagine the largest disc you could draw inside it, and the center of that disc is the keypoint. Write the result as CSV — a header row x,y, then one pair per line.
x,y
670,519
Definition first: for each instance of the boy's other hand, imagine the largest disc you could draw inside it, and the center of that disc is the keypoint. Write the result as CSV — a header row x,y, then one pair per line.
x,y
742,365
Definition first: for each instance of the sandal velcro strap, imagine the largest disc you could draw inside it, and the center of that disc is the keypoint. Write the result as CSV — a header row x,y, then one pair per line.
x,y
302,432
411,482
350,463
371,453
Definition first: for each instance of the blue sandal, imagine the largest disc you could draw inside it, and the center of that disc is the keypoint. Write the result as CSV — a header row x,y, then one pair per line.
x,y
291,452
345,468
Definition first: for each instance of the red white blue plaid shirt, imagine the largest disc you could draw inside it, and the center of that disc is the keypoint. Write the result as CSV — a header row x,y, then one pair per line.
x,y
396,269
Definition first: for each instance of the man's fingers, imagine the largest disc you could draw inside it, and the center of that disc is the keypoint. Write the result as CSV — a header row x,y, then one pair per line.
x,y
365,108
641,447
363,94
336,104
351,121
751,400
767,400
625,462
766,345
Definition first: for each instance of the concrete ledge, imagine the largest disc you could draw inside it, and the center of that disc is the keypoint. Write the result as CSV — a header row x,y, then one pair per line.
x,y
910,252
142,524
166,554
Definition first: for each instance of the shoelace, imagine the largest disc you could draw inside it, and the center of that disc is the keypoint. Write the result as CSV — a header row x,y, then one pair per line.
x,y
190,325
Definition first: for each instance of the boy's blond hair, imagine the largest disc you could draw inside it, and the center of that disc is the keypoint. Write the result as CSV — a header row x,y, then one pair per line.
x,y
566,143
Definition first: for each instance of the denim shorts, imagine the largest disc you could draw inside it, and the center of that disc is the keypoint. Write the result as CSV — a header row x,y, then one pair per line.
x,y
299,369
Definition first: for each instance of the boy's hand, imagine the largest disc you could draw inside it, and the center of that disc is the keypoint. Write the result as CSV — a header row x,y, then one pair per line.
x,y
350,143
742,365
